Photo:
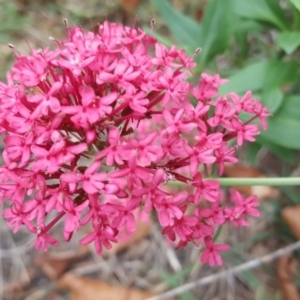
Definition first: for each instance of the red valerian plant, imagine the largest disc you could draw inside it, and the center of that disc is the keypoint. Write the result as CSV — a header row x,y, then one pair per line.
x,y
96,128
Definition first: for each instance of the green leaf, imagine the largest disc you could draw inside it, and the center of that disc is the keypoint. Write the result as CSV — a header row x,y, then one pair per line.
x,y
247,26
296,3
262,76
272,98
184,29
289,41
262,10
278,73
284,127
242,29
216,29
252,150
282,152
250,78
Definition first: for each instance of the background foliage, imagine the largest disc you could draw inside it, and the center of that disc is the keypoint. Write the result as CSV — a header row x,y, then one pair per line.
x,y
253,43
256,45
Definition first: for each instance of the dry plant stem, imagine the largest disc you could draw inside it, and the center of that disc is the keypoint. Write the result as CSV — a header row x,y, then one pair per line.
x,y
242,267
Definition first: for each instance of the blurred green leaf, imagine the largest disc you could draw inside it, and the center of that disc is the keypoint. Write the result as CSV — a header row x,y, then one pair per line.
x,y
263,10
250,78
289,41
184,29
296,3
272,97
284,126
264,76
280,72
252,150
277,74
9,13
282,152
216,29
295,17
247,25
242,30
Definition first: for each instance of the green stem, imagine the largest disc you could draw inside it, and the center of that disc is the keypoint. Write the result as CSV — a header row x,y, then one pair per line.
x,y
276,181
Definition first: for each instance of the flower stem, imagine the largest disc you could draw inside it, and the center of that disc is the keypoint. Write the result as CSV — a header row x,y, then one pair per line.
x,y
276,181
261,181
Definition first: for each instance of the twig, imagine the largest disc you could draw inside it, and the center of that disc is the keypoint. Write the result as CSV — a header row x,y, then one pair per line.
x,y
168,251
245,266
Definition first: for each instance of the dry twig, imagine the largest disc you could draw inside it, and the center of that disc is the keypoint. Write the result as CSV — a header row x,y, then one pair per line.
x,y
242,267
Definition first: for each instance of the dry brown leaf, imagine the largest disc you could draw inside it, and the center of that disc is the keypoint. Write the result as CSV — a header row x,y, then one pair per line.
x,y
286,271
20,283
130,5
82,288
291,215
54,264
198,14
142,230
262,192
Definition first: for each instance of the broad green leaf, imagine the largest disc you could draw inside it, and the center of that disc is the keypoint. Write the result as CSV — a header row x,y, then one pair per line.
x,y
216,29
272,98
278,73
284,126
248,26
252,150
250,78
282,152
289,41
295,17
296,3
262,10
184,29
260,76
167,41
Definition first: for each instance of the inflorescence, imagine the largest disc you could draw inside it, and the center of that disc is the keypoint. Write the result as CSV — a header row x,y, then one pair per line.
x,y
97,128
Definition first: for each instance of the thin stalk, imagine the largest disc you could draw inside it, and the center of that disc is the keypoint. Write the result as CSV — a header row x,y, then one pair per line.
x,y
276,181
260,181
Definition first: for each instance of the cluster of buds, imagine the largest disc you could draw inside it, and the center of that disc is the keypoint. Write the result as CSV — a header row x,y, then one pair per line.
x,y
97,129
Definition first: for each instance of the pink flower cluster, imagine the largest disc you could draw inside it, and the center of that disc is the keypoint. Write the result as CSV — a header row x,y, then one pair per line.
x,y
102,127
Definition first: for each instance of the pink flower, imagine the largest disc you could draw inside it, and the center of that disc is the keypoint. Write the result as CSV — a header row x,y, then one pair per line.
x,y
224,155
183,227
92,182
43,239
47,101
209,189
115,152
177,123
101,236
125,216
72,221
17,216
18,148
244,132
91,108
167,208
223,114
246,206
211,254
